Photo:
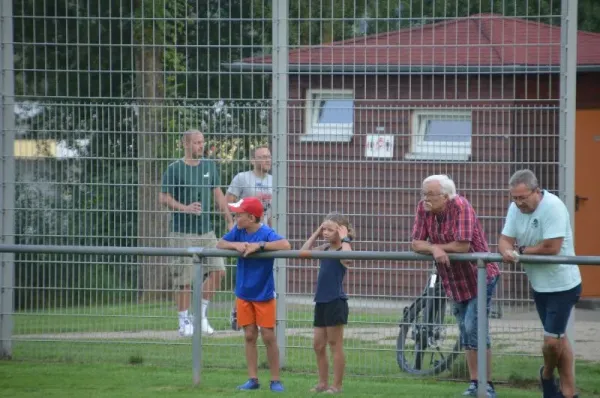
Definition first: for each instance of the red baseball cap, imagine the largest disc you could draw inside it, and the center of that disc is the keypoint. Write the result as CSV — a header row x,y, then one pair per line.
x,y
250,205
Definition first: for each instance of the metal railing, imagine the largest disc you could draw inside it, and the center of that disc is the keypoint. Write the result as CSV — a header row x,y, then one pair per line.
x,y
199,254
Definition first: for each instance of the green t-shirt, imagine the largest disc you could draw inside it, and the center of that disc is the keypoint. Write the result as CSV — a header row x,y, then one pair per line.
x,y
189,184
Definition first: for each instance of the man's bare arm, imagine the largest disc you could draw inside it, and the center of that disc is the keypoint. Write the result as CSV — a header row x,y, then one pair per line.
x,y
231,198
424,247
505,243
547,247
461,246
222,203
421,246
166,199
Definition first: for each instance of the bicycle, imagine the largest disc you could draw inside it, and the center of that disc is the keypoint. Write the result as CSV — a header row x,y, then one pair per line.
x,y
426,315
423,323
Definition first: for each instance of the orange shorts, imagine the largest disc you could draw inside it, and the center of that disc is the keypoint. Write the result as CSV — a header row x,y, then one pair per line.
x,y
259,313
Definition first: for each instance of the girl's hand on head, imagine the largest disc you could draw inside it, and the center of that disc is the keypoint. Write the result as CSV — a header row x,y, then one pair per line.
x,y
342,231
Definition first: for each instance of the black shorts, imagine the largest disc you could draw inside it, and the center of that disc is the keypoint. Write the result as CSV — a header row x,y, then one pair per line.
x,y
333,313
554,309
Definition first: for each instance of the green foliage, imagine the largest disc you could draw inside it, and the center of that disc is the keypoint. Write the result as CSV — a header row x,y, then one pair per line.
x,y
159,21
589,15
315,22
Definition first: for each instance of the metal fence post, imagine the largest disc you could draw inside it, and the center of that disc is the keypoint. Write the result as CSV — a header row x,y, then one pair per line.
x,y
568,82
482,326
196,305
280,150
7,176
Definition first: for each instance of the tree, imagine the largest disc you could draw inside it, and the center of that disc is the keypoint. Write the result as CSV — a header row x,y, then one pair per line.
x,y
151,32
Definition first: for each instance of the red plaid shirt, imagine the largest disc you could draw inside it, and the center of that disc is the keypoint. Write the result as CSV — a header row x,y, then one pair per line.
x,y
458,222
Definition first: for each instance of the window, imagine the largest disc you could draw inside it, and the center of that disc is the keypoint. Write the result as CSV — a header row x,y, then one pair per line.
x,y
441,135
329,115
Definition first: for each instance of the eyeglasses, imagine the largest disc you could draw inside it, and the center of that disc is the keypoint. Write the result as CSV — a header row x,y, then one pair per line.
x,y
524,197
425,195
266,157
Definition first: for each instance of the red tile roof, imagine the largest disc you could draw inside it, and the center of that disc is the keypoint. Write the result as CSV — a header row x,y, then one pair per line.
x,y
483,40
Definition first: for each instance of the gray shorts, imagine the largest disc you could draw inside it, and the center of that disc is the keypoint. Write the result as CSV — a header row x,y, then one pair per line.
x,y
182,268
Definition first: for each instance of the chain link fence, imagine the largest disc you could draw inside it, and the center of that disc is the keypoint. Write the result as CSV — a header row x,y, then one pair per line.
x,y
355,102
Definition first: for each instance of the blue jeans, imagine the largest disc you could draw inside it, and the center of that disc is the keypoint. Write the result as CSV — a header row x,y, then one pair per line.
x,y
466,317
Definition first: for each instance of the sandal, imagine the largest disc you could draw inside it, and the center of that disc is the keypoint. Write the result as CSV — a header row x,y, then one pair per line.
x,y
333,390
318,388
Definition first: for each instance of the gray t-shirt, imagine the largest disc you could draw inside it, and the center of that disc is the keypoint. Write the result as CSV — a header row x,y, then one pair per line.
x,y
248,184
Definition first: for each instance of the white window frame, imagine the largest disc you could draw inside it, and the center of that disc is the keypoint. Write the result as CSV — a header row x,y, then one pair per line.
x,y
439,150
326,132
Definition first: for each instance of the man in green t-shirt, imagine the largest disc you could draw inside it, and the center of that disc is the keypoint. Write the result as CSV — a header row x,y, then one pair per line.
x,y
188,187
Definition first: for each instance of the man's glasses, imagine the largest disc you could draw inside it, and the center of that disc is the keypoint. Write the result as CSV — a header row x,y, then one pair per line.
x,y
523,197
427,195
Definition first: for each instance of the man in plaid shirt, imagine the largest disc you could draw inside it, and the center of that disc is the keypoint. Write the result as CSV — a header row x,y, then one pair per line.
x,y
447,223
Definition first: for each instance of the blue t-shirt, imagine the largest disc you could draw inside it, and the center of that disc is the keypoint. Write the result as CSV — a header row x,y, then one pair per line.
x,y
549,220
254,277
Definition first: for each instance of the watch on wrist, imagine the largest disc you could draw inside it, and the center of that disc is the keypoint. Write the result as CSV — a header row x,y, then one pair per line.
x,y
346,239
521,249
261,245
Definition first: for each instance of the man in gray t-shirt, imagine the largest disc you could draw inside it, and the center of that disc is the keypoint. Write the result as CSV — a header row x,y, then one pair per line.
x,y
256,182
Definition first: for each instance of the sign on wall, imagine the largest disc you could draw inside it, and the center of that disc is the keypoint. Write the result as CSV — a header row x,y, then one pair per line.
x,y
379,146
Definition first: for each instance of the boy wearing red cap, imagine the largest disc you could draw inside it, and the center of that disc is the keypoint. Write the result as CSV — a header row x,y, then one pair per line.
x,y
255,285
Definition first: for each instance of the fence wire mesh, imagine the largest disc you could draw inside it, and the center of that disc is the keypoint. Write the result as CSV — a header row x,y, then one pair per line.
x,y
381,95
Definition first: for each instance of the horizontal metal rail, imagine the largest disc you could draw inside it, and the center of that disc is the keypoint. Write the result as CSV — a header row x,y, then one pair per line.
x,y
305,254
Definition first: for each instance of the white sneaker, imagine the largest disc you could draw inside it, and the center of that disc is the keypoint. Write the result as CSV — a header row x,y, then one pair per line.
x,y
206,329
186,329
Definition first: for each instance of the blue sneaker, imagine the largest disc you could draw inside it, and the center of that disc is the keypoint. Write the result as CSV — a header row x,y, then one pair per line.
x,y
251,384
276,386
490,391
471,391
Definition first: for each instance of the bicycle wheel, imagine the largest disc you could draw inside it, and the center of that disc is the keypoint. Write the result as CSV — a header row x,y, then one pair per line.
x,y
423,347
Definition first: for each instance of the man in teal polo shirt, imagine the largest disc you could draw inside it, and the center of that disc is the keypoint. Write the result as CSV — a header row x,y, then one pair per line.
x,y
188,187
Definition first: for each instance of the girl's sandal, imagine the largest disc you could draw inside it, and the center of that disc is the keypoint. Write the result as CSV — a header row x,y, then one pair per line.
x,y
333,390
318,388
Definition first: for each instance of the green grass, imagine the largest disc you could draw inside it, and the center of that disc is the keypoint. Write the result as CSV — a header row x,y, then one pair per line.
x,y
366,359
372,359
129,317
29,379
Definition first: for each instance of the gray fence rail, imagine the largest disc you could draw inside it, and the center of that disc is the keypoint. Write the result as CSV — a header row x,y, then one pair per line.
x,y
305,254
